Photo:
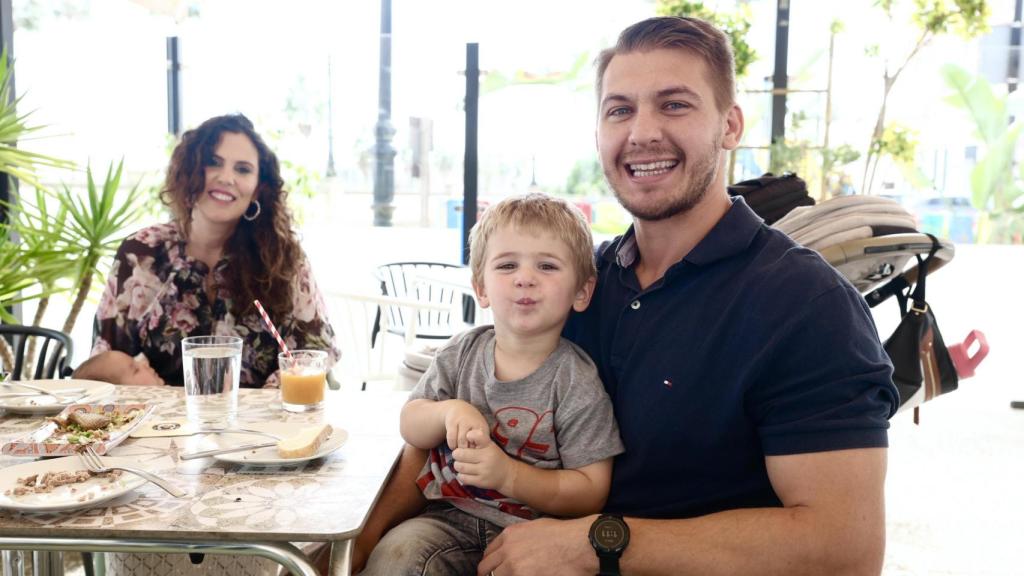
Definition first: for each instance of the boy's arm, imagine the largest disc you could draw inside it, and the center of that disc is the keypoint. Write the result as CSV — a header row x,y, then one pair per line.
x,y
427,423
574,492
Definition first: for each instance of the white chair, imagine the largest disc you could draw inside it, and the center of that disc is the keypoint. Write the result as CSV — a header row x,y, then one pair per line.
x,y
368,357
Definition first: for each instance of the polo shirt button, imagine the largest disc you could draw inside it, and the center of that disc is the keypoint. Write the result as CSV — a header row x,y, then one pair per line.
x,y
635,305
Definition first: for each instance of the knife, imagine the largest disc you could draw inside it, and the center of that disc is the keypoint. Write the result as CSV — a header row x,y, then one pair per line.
x,y
228,450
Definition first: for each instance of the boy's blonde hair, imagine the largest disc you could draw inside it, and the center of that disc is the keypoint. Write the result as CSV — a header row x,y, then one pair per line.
x,y
535,212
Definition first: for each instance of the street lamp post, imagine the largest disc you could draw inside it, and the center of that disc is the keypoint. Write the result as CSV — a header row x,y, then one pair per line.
x,y
384,176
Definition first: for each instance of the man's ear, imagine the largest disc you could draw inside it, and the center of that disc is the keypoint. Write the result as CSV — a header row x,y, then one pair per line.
x,y
584,294
733,128
481,294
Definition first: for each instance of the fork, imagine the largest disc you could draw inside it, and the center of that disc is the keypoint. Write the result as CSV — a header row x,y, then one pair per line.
x,y
58,394
95,464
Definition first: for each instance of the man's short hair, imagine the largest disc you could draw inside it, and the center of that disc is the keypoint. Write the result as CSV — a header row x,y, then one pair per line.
x,y
534,213
694,35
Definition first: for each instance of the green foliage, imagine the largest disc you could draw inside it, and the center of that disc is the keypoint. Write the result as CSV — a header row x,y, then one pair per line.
x,y
736,25
586,179
967,18
898,142
995,186
841,155
95,227
574,77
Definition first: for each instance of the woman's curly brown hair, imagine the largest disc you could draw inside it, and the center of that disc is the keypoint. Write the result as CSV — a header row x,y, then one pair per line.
x,y
265,253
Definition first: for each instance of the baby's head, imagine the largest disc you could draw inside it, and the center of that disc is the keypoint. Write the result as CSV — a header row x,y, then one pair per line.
x,y
119,368
561,236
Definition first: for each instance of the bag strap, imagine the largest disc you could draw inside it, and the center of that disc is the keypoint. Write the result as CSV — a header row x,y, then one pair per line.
x,y
900,287
920,305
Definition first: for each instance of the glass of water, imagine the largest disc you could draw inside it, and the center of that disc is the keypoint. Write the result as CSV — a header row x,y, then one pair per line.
x,y
213,365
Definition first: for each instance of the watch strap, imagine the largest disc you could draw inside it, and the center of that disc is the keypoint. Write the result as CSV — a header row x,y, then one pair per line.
x,y
609,565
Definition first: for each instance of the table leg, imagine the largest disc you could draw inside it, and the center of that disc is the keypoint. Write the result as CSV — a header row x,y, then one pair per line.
x,y
341,558
13,563
47,563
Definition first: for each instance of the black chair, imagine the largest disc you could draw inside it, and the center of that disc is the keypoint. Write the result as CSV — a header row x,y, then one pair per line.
x,y
53,351
397,280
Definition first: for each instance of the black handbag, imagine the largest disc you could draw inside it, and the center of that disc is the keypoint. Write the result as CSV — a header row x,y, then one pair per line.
x,y
922,367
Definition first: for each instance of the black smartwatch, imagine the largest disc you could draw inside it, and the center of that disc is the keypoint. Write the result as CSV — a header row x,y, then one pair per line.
x,y
609,536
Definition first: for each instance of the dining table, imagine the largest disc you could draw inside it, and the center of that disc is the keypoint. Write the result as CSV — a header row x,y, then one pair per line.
x,y
230,507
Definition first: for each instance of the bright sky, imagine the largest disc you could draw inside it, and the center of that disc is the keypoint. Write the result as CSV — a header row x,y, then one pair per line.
x,y
101,78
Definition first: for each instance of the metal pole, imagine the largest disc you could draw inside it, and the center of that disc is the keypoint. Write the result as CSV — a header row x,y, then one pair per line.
x,y
384,177
330,122
469,170
173,86
780,79
8,186
1013,63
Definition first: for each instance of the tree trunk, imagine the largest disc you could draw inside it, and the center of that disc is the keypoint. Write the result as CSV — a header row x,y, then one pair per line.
x,y
7,355
828,116
36,321
83,291
876,135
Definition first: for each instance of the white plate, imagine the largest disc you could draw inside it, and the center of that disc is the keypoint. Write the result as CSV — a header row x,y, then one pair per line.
x,y
94,391
86,494
41,441
268,456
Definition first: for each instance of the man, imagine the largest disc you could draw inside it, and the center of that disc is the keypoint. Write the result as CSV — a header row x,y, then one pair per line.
x,y
748,381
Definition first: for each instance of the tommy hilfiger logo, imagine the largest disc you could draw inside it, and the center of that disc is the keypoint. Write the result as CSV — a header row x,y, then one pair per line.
x,y
667,383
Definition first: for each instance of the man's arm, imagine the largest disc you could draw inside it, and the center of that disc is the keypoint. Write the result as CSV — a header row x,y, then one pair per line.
x,y
832,522
400,500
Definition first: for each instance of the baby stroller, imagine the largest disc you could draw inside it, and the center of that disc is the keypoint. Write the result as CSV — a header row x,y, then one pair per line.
x,y
874,243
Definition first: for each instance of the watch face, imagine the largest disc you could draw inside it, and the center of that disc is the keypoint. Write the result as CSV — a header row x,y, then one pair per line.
x,y
610,534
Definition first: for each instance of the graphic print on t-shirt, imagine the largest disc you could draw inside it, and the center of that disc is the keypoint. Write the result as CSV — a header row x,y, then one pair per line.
x,y
522,433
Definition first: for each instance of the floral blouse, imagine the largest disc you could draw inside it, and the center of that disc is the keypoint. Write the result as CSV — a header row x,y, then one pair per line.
x,y
155,296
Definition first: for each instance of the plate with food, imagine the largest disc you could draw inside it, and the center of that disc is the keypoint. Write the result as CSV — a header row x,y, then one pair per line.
x,y
295,443
101,426
63,484
20,399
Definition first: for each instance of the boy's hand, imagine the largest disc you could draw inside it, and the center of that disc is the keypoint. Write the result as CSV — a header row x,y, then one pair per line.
x,y
485,464
460,419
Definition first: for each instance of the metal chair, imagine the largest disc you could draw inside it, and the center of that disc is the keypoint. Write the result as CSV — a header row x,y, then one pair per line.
x,y
53,359
398,280
362,325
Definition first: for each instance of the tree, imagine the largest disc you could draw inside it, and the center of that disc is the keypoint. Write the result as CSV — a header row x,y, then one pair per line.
x,y
736,25
932,18
994,186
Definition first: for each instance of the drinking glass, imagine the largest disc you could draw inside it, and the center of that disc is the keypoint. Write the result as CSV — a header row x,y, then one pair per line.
x,y
303,379
213,365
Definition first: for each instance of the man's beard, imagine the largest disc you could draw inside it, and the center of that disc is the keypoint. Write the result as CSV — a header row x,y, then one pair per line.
x,y
702,174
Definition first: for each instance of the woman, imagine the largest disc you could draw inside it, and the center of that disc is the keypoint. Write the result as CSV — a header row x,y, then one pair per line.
x,y
231,242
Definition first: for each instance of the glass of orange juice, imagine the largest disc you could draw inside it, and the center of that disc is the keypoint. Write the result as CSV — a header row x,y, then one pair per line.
x,y
303,379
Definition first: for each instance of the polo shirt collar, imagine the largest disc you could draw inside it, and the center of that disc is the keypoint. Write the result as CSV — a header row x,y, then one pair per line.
x,y
731,235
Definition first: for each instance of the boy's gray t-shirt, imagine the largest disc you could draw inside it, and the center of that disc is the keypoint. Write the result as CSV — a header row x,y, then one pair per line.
x,y
557,417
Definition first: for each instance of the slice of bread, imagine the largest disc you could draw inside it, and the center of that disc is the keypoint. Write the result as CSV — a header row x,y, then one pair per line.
x,y
305,443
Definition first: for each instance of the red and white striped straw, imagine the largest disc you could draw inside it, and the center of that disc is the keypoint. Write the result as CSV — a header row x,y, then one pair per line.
x,y
273,330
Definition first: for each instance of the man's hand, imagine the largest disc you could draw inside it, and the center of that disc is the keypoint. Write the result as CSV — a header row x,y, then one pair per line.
x,y
484,464
460,418
544,546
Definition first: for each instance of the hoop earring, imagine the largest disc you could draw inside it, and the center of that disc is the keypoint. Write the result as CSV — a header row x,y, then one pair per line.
x,y
252,217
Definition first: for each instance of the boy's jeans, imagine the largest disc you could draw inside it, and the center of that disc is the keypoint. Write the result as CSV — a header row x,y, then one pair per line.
x,y
442,540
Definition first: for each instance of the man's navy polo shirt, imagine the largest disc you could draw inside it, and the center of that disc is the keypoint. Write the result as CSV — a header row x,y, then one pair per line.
x,y
750,346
